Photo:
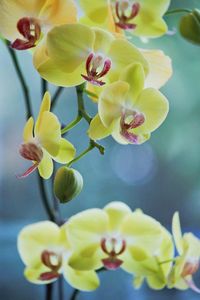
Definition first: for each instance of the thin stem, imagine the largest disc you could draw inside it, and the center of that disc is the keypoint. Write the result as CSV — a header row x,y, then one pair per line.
x,y
74,295
93,95
89,148
60,288
20,75
56,96
177,11
44,86
49,291
44,198
71,125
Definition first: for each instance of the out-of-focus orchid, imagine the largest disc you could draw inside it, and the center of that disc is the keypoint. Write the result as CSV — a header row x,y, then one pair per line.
x,y
45,250
24,23
142,17
188,261
43,142
106,238
128,111
76,53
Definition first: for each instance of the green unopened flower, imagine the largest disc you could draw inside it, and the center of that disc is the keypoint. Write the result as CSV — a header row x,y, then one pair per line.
x,y
190,27
44,248
68,183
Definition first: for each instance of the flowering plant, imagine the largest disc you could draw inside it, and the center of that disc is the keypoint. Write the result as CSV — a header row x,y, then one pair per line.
x,y
91,46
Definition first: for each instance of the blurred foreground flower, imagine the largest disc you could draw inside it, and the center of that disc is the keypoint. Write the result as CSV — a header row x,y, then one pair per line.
x,y
142,17
128,111
188,261
43,142
24,23
45,250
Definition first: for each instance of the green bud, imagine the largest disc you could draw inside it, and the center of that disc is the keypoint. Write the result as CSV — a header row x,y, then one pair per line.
x,y
190,27
68,183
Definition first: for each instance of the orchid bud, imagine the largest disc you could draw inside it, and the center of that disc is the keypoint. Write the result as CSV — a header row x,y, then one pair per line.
x,y
68,183
190,27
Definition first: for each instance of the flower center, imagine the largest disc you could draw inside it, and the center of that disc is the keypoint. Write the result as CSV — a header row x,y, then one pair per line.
x,y
97,66
113,248
54,262
130,121
190,267
125,13
33,152
30,30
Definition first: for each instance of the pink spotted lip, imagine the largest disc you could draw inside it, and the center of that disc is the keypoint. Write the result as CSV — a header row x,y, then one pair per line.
x,y
112,262
94,62
53,273
30,29
138,120
32,152
124,21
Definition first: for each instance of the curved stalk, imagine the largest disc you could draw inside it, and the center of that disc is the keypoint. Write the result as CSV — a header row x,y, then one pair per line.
x,y
177,11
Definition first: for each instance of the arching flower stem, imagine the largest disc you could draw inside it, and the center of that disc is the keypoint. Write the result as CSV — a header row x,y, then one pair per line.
x,y
177,11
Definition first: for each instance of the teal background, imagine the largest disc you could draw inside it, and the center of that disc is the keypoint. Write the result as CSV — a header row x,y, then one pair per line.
x,y
160,177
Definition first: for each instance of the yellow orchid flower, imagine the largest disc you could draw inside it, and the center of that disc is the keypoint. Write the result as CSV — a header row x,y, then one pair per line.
x,y
45,250
152,268
128,111
25,22
106,238
187,263
46,143
160,71
75,53
141,17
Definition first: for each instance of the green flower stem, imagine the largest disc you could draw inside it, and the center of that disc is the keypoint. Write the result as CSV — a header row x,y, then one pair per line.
x,y
89,148
71,125
91,94
21,79
56,96
177,11
49,291
51,214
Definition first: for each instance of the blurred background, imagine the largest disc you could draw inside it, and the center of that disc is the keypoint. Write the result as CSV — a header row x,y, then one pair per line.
x,y
160,177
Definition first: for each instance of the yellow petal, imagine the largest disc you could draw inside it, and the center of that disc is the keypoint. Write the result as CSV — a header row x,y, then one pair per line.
x,y
28,130
116,211
89,258
111,101
45,167
177,234
66,152
51,71
154,106
45,106
160,68
122,54
87,227
103,40
57,12
81,280
97,12
134,75
49,132
33,274
34,239
69,52
97,130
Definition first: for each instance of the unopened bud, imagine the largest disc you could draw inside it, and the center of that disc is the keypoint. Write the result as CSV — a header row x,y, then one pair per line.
x,y
68,183
190,27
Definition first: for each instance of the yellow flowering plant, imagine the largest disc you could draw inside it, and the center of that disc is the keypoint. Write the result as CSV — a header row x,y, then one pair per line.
x,y
86,45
